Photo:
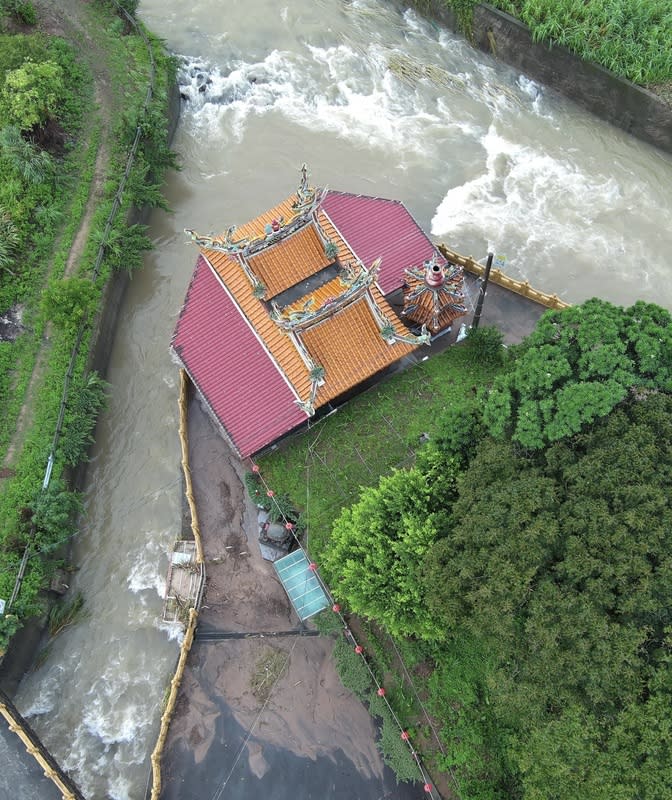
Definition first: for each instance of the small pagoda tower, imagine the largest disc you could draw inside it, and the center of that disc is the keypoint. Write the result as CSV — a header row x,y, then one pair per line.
x,y
434,295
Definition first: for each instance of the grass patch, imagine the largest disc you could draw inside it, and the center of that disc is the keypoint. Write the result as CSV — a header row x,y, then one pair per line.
x,y
631,38
323,468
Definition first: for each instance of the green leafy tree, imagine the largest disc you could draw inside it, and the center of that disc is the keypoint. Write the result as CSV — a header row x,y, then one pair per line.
x,y
54,515
377,549
85,400
560,564
576,366
9,625
486,344
21,10
32,93
504,530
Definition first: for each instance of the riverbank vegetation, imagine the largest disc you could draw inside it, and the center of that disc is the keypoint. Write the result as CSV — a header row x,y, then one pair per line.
x,y
520,563
631,38
68,193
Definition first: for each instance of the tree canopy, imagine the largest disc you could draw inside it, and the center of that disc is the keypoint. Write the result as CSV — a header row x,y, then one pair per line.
x,y
378,546
539,569
562,563
32,93
576,366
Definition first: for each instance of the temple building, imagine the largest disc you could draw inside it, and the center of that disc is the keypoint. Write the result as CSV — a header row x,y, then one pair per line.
x,y
289,313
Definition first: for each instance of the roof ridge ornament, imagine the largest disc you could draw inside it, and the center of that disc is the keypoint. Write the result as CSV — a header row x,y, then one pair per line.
x,y
434,294
307,315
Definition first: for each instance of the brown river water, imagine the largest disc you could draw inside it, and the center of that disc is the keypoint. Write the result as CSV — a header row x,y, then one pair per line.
x,y
484,158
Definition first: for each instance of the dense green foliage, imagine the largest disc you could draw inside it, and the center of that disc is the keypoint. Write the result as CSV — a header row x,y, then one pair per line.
x,y
629,37
577,365
379,544
536,581
23,11
32,93
32,179
46,179
561,565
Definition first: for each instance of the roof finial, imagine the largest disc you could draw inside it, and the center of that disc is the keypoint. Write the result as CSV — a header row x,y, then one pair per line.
x,y
434,274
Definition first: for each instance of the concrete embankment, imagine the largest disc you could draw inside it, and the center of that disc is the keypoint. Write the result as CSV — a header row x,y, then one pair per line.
x,y
632,108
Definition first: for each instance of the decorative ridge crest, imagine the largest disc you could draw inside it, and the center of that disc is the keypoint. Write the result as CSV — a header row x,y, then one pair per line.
x,y
307,316
304,211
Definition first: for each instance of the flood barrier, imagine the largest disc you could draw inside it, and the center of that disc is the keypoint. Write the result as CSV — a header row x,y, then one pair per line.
x,y
185,647
522,288
18,725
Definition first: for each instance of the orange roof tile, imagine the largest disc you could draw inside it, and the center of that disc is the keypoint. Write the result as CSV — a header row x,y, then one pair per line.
x,y
289,261
278,343
318,297
436,307
350,348
348,345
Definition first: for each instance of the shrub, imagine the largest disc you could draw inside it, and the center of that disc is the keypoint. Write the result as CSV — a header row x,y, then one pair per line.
x,y
351,669
486,344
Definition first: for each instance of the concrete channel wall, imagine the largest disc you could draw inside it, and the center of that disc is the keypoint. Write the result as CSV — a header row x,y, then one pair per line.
x,y
616,100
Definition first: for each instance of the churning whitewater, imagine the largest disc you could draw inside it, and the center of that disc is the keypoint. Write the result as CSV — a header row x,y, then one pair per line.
x,y
374,100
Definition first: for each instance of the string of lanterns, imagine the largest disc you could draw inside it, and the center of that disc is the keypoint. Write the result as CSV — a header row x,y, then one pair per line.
x,y
358,649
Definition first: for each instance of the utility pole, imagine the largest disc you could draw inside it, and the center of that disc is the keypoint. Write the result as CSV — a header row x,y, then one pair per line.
x,y
481,294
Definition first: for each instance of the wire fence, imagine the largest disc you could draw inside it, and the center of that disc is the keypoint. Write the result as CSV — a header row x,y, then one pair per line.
x,y
116,206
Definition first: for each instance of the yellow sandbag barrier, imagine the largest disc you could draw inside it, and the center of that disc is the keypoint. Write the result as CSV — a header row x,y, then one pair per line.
x,y
522,288
170,704
37,750
184,441
193,612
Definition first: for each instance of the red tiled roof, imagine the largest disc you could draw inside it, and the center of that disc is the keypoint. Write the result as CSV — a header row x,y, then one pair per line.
x,y
215,344
374,227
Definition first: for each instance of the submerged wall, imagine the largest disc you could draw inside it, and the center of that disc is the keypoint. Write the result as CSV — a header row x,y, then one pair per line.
x,y
631,108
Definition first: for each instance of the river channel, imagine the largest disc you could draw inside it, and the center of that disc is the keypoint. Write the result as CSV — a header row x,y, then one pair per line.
x,y
375,100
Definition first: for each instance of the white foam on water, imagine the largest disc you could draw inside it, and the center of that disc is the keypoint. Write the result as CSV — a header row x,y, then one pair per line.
x,y
120,788
144,572
173,630
531,199
110,721
45,701
337,89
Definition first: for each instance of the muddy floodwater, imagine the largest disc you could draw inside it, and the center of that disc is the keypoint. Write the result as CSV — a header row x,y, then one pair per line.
x,y
484,158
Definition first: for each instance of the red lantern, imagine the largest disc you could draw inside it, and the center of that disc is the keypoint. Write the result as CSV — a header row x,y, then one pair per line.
x,y
336,608
312,566
359,649
255,468
288,526
404,735
428,788
381,692
270,493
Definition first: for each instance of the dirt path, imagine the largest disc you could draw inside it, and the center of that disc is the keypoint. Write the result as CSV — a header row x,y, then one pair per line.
x,y
68,22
